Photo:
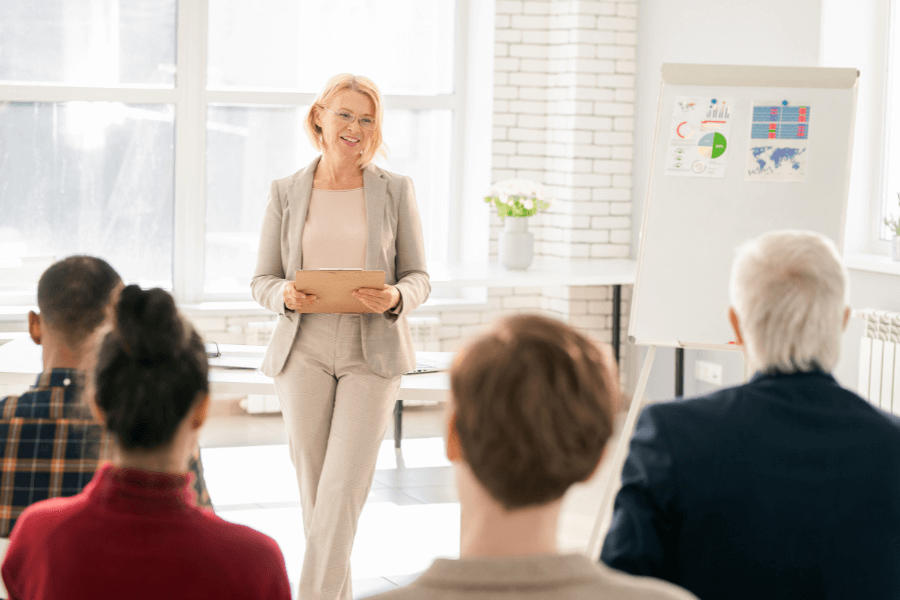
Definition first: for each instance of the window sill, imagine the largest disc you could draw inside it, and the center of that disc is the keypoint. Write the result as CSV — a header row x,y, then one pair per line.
x,y
252,309
15,315
543,273
873,263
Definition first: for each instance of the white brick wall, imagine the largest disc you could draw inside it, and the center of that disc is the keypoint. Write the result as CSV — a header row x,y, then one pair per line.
x,y
563,114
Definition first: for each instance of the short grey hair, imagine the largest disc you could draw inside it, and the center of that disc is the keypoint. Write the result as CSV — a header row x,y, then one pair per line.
x,y
789,290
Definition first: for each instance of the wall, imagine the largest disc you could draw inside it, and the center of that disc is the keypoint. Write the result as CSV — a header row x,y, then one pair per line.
x,y
575,88
805,33
856,35
735,32
563,116
565,103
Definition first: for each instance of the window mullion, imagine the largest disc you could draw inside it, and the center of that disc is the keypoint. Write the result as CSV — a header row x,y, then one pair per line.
x,y
35,92
457,156
190,151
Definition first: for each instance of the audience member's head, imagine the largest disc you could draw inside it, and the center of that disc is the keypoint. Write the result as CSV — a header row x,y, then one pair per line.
x,y
151,372
73,297
789,301
532,410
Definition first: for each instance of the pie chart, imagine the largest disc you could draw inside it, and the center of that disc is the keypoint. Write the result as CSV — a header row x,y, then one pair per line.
x,y
711,145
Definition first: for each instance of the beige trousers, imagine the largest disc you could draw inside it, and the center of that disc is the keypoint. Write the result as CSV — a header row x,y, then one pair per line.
x,y
335,411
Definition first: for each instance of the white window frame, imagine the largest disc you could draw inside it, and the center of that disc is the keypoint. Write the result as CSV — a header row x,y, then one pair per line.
x,y
887,198
190,99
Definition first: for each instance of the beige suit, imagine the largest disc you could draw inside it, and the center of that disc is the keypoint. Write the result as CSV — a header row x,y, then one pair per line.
x,y
395,245
337,376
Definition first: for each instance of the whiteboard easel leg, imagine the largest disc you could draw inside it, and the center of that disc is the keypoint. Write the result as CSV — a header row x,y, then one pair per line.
x,y
604,513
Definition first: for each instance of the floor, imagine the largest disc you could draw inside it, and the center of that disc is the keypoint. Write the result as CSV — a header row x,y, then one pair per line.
x,y
410,517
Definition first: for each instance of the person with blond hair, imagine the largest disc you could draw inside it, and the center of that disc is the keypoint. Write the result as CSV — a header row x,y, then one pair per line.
x,y
337,375
787,486
532,407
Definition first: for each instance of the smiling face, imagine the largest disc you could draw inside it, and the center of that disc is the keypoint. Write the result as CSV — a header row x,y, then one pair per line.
x,y
340,138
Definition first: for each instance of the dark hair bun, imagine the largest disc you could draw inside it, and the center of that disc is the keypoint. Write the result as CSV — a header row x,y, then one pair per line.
x,y
148,324
150,369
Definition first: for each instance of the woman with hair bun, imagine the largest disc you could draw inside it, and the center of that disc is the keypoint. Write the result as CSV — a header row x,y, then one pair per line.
x,y
135,531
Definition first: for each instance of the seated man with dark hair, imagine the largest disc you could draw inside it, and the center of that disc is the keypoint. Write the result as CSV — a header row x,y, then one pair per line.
x,y
531,412
787,486
50,443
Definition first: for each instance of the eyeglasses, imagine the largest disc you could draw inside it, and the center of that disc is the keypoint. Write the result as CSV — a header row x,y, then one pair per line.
x,y
348,117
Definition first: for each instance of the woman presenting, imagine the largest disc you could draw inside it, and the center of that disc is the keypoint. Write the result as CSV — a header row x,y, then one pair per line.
x,y
337,375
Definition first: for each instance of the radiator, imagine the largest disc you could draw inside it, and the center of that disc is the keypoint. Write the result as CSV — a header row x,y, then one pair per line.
x,y
879,359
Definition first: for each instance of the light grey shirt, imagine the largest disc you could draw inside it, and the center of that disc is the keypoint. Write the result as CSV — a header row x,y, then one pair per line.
x,y
557,576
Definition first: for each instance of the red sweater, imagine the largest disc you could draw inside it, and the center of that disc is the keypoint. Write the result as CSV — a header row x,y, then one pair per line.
x,y
135,534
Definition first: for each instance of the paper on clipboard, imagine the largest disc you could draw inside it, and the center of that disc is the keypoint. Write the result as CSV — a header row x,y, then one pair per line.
x,y
334,288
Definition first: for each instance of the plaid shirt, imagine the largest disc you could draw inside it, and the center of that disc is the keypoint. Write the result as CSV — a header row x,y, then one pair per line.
x,y
50,446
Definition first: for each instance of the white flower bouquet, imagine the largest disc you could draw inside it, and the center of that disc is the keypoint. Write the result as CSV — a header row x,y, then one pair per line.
x,y
517,198
893,223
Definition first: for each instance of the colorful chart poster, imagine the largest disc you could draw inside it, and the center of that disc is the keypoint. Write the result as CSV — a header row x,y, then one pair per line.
x,y
779,141
698,140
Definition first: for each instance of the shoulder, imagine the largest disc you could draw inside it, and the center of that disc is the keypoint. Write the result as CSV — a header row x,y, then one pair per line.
x,y
395,181
10,401
758,399
12,406
690,410
40,520
632,587
695,422
284,184
239,539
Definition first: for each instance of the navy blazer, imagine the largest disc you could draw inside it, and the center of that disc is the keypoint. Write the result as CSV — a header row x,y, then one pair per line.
x,y
785,487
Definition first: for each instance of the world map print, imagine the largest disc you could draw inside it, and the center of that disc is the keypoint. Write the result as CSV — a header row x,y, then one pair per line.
x,y
776,162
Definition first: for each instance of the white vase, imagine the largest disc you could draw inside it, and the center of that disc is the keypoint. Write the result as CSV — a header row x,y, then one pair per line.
x,y
516,244
895,248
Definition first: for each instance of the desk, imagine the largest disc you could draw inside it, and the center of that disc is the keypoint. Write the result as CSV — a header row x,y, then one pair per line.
x,y
20,362
546,272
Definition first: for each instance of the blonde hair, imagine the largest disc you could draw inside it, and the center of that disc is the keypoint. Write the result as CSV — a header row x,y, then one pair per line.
x,y
357,83
789,290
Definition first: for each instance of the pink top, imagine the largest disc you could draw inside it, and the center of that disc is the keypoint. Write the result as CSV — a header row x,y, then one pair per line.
x,y
335,233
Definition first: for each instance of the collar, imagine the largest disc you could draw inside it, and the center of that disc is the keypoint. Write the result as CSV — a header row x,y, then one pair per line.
x,y
797,375
59,378
508,572
139,491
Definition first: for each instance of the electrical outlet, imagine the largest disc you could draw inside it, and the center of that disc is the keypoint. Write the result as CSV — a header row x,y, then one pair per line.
x,y
709,372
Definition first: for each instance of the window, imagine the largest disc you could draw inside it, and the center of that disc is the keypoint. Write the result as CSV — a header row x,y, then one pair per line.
x,y
113,144
891,179
864,37
87,177
87,137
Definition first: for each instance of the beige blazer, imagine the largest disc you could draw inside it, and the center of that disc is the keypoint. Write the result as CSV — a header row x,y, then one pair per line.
x,y
394,244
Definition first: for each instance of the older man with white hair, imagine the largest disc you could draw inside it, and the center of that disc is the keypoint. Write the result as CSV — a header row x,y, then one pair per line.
x,y
785,487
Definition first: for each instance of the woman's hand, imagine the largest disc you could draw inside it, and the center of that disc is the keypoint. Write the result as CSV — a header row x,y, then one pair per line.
x,y
294,299
378,300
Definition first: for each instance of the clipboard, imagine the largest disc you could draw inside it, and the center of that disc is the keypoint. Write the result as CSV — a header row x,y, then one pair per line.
x,y
334,288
